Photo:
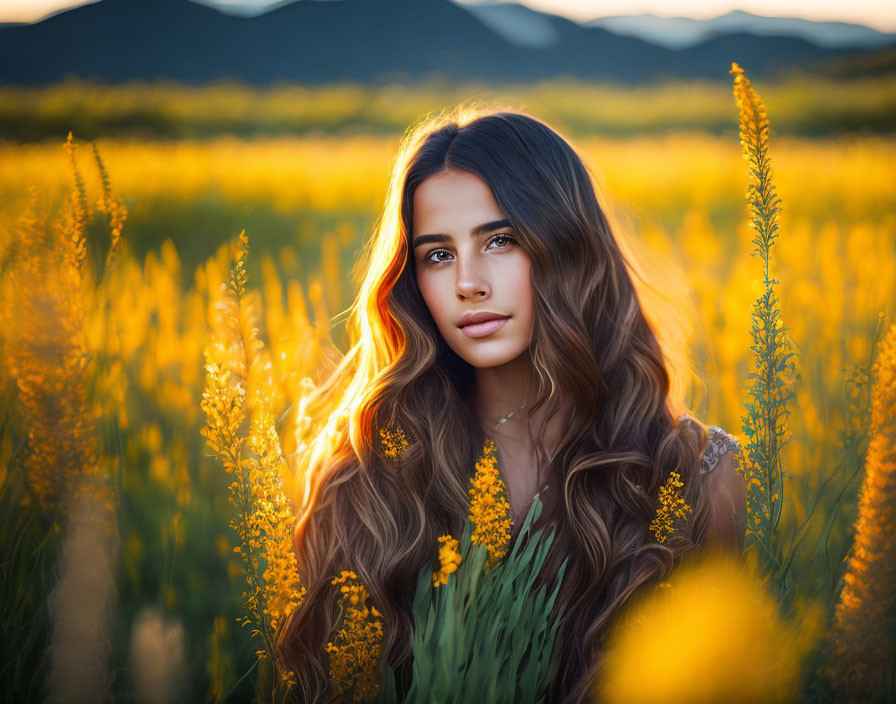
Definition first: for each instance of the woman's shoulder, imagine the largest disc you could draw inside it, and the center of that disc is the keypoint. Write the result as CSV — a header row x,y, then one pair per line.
x,y
724,484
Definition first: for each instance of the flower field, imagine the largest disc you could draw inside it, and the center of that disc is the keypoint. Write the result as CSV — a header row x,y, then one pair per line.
x,y
117,502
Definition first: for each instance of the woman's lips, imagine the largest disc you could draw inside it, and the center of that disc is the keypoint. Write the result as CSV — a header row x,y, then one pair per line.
x,y
483,329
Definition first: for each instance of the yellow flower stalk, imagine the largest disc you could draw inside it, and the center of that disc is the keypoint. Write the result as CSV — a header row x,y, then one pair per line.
x,y
672,506
48,350
272,520
773,373
238,385
449,560
111,205
77,215
489,508
861,656
46,357
355,654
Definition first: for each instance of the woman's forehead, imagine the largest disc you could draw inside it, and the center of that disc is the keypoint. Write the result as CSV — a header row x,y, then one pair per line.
x,y
453,201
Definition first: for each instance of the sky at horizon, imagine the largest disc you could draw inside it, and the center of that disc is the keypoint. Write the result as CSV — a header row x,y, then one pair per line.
x,y
874,13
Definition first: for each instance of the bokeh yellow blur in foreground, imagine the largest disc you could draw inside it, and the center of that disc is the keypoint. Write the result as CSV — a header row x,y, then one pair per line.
x,y
713,633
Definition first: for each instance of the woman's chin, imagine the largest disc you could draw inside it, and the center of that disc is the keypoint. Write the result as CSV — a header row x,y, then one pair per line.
x,y
490,359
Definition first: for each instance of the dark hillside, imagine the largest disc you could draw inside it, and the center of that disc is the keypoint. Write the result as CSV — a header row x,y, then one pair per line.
x,y
369,41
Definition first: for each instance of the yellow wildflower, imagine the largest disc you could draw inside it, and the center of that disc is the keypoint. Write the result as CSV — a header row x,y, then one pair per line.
x,y
672,506
109,204
46,356
53,300
489,508
449,560
272,520
862,644
239,386
754,122
354,657
393,442
774,372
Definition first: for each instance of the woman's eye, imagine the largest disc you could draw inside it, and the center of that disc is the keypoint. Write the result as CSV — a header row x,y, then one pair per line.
x,y
435,253
507,239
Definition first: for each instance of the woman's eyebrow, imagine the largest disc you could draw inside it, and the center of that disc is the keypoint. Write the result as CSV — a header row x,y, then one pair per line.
x,y
477,231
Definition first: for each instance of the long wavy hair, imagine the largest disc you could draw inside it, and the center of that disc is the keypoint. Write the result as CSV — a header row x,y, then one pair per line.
x,y
592,348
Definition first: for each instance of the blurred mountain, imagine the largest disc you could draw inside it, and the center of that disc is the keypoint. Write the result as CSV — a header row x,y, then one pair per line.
x,y
683,32
520,25
370,41
874,64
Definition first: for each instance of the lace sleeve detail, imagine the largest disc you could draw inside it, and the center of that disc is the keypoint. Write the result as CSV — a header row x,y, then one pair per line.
x,y
719,443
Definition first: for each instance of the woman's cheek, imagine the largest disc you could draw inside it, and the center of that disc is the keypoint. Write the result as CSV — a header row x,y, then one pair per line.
x,y
432,296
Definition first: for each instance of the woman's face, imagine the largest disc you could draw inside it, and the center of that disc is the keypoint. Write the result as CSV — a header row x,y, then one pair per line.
x,y
468,262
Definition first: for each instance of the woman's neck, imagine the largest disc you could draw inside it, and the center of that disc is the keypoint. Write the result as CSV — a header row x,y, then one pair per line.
x,y
507,389
501,390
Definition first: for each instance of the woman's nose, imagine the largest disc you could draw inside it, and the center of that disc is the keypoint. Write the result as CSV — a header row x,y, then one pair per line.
x,y
471,281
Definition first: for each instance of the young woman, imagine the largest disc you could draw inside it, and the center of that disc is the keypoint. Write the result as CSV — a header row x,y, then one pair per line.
x,y
495,304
